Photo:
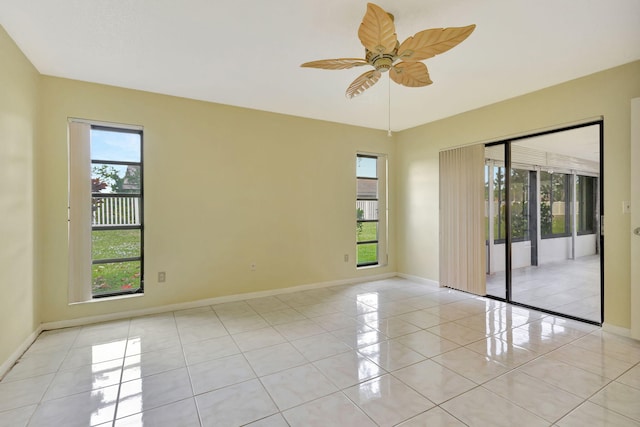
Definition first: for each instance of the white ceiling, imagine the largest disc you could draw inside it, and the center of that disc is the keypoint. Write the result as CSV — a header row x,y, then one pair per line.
x,y
247,52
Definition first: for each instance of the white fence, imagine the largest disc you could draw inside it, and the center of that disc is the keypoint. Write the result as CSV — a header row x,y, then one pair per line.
x,y
369,209
117,211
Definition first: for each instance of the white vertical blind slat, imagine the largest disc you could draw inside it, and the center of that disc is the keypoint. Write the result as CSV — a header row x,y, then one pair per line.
x,y
80,214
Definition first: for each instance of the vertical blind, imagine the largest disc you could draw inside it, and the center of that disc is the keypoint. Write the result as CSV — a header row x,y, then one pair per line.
x,y
79,212
462,219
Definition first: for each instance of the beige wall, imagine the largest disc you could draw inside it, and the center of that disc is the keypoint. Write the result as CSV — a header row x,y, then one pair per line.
x,y
19,316
607,94
224,187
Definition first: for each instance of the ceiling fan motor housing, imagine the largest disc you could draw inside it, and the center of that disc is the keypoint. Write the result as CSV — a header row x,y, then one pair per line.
x,y
381,61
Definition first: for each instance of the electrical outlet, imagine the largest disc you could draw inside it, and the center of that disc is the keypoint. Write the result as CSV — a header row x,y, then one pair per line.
x,y
253,266
346,257
162,277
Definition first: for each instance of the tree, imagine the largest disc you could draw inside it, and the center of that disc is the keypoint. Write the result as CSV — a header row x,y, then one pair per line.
x,y
519,203
96,186
128,183
552,190
359,215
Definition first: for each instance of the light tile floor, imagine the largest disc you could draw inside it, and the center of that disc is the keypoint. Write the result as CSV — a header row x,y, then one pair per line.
x,y
570,287
385,353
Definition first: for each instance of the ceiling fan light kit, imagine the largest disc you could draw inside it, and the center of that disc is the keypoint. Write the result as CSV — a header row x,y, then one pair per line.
x,y
384,53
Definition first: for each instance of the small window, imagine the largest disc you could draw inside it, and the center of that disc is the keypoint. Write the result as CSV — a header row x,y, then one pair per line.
x,y
370,211
116,204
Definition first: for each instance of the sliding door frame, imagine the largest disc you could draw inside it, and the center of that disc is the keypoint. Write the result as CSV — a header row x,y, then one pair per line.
x,y
508,234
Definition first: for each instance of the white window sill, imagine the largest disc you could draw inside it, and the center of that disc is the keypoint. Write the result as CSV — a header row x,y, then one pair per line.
x,y
368,267
116,297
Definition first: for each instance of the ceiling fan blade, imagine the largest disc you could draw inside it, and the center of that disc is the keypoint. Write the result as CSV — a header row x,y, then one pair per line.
x,y
362,83
335,64
428,43
410,74
377,32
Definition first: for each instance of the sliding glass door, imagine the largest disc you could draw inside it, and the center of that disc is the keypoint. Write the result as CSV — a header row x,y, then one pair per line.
x,y
544,246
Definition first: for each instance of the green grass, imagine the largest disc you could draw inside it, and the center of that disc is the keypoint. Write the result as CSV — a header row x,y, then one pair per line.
x,y
118,276
367,231
557,226
368,252
498,233
115,244
115,277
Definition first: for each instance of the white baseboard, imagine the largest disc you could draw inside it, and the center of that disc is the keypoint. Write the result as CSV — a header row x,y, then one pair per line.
x,y
204,302
8,364
618,330
418,279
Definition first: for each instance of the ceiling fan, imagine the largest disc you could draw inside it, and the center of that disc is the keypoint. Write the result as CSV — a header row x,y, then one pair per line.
x,y
383,51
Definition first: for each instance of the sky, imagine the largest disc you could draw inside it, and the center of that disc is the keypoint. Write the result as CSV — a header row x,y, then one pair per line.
x,y
109,145
366,167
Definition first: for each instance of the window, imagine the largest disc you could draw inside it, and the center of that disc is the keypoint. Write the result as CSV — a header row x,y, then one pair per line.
x,y
116,204
586,196
370,210
105,197
555,218
520,203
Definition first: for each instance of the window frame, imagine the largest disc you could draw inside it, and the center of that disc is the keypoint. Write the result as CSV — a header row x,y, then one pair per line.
x,y
140,226
381,221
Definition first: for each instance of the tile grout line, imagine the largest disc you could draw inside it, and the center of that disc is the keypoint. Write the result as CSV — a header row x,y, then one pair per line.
x,y
330,301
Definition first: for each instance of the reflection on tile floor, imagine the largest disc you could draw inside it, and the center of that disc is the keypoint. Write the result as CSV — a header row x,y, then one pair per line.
x,y
389,352
570,287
